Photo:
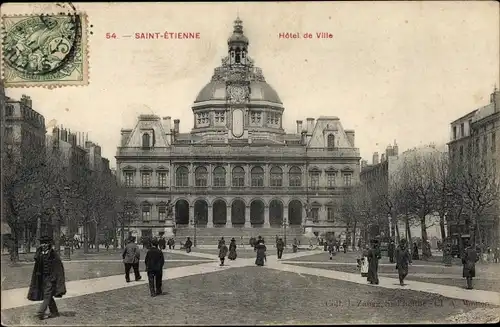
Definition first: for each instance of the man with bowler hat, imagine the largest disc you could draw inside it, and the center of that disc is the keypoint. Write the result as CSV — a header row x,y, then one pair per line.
x,y
131,256
154,266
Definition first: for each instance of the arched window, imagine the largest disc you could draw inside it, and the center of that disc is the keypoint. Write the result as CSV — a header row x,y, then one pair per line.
x,y
238,55
146,139
201,177
331,141
276,177
295,177
181,177
238,177
257,175
219,177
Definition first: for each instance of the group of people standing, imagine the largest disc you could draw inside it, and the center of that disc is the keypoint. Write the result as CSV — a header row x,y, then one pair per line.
x,y
224,250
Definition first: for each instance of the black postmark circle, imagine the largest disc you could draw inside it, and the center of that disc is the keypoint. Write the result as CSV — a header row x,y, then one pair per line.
x,y
42,45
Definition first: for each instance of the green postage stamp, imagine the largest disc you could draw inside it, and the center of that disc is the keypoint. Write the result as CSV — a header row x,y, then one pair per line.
x,y
44,50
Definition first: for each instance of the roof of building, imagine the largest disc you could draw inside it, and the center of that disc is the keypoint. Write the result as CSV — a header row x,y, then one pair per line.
x,y
259,91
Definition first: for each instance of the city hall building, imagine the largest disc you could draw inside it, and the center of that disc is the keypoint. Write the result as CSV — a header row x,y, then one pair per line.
x,y
237,173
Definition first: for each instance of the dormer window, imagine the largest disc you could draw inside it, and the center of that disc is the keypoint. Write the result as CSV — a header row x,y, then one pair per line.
x,y
220,117
273,118
146,140
255,117
202,118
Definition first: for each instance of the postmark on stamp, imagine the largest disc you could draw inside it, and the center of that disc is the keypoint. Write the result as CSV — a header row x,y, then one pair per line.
x,y
44,50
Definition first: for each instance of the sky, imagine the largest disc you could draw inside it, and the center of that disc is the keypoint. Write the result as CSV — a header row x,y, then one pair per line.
x,y
392,71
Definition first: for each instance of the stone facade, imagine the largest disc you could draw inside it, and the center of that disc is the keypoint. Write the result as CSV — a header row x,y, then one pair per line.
x,y
238,168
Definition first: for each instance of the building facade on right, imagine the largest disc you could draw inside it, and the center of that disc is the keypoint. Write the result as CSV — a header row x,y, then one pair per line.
x,y
474,144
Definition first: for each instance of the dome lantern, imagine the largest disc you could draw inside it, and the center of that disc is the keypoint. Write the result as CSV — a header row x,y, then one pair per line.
x,y
238,44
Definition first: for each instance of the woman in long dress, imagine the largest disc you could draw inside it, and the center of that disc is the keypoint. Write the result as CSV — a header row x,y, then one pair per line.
x,y
261,253
232,250
373,257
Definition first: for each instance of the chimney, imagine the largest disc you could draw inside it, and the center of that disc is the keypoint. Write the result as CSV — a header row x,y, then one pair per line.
x,y
388,151
176,126
310,126
299,127
303,137
375,158
395,149
350,136
125,133
382,157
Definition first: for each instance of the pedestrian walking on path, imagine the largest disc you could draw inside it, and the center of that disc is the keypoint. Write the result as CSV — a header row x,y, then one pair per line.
x,y
390,251
131,256
280,246
403,259
261,252
363,262
331,248
295,245
414,254
154,261
221,241
373,258
188,245
469,259
48,280
447,258
222,251
232,250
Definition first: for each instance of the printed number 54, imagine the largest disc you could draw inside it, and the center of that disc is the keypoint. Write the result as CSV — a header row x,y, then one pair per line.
x,y
110,35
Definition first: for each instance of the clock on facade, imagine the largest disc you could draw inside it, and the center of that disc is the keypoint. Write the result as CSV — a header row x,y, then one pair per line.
x,y
237,94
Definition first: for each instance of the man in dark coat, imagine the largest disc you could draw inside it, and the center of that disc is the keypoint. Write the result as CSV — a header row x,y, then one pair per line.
x,y
222,251
344,246
414,254
154,266
295,245
48,280
131,256
373,258
280,246
261,252
390,251
469,259
161,243
331,248
403,259
188,245
221,241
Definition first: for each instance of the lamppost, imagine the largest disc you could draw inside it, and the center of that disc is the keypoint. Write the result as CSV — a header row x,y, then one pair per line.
x,y
390,225
195,223
67,248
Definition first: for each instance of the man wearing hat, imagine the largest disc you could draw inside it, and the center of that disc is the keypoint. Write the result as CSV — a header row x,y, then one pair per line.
x,y
403,259
131,256
280,246
154,261
48,280
373,257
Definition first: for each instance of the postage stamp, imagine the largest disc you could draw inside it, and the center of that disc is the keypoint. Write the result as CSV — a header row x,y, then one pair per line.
x,y
44,50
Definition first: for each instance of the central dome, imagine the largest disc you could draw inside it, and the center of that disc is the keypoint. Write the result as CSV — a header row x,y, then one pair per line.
x,y
259,91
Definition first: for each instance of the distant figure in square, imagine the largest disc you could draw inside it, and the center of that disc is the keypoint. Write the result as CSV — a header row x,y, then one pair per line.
x,y
469,259
222,251
261,252
154,266
188,245
344,246
131,256
497,255
390,251
331,248
295,245
48,280
161,243
280,246
414,254
373,258
337,246
232,250
403,259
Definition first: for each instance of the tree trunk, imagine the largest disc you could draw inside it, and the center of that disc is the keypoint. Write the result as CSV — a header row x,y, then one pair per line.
x,y
426,251
14,245
96,236
408,230
354,236
38,229
56,233
123,235
85,238
396,227
442,227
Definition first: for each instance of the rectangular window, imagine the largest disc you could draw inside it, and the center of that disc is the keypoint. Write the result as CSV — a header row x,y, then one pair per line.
x,y
255,118
330,213
315,214
485,144
162,179
202,118
219,181
162,213
330,178
295,180
493,142
454,132
146,213
220,117
314,176
462,130
273,118
347,179
146,179
238,180
129,179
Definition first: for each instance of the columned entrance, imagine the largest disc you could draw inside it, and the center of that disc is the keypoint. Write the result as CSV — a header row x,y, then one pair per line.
x,y
257,212
219,212
276,213
295,212
238,213
182,212
201,212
